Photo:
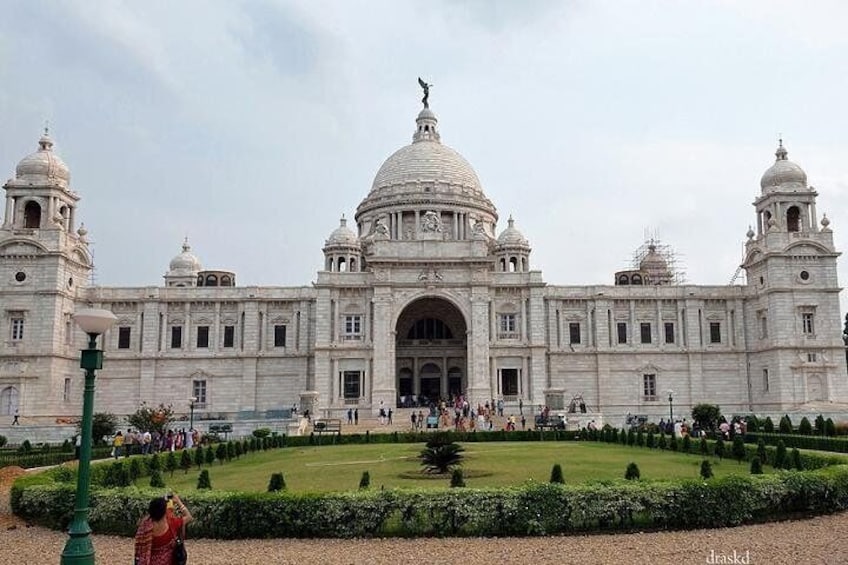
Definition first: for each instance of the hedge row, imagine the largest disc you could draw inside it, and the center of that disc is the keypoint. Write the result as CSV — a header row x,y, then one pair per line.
x,y
40,458
819,443
531,509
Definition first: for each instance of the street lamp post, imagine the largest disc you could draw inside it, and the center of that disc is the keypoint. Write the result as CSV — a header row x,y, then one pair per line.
x,y
671,405
78,548
191,402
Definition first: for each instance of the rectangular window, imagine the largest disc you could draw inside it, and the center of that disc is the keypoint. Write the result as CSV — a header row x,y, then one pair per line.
x,y
622,332
808,323
507,326
17,329
229,336
812,357
350,384
649,386
669,332
645,332
202,336
279,336
353,327
715,332
66,390
765,380
124,333
574,332
198,391
763,326
176,337
509,382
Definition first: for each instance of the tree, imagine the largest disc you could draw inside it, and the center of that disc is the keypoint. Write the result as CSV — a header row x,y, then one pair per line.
x,y
663,443
156,479
135,469
829,428
796,459
221,453
650,442
209,455
238,449
186,461
687,444
632,473
820,425
738,448
785,426
556,474
149,419
154,463
203,481
756,466
198,457
457,478
640,438
768,425
719,448
103,426
365,480
171,462
705,447
706,469
780,455
805,428
277,482
440,454
231,450
761,451
706,415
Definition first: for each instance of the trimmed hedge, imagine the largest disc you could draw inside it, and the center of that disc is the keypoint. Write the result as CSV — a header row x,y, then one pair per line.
x,y
39,458
531,509
819,443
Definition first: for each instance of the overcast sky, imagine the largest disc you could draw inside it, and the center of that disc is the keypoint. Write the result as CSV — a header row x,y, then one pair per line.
x,y
252,126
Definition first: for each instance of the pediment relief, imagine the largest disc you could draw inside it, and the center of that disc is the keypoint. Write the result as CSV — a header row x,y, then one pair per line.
x,y
808,248
81,256
649,369
507,307
21,248
574,317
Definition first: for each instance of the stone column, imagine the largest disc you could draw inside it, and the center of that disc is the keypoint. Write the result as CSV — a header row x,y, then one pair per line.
x,y
384,349
479,390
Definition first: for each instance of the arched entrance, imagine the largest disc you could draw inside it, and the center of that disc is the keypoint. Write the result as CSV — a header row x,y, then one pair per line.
x,y
430,352
8,401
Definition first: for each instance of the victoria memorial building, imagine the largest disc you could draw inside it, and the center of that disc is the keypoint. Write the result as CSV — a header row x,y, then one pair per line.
x,y
426,293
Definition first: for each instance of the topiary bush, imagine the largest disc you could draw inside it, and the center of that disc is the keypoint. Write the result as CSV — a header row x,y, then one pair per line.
x,y
785,426
221,453
706,469
171,462
3,441
457,478
556,474
761,451
209,455
768,425
203,481
673,444
719,448
663,443
156,479
198,457
365,480
261,432
820,425
805,428
780,455
640,438
756,466
186,460
705,447
277,483
650,443
796,459
632,473
687,444
738,448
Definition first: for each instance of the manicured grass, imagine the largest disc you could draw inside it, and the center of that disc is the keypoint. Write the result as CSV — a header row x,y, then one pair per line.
x,y
339,468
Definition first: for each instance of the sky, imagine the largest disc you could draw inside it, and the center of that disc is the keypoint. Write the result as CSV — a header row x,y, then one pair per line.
x,y
252,126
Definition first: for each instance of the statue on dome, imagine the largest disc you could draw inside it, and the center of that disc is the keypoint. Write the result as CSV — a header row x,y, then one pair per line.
x,y
426,88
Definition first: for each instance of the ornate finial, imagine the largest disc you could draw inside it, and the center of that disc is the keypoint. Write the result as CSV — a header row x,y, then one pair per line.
x,y
825,222
46,127
781,152
343,221
510,222
426,88
750,233
186,246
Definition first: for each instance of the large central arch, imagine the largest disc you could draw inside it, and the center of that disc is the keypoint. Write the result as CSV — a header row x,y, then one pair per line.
x,y
431,352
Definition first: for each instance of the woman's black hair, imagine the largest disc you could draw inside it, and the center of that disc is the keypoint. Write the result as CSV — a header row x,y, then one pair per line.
x,y
157,508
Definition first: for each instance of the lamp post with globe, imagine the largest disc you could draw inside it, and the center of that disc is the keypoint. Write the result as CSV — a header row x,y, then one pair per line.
x,y
79,548
671,405
191,402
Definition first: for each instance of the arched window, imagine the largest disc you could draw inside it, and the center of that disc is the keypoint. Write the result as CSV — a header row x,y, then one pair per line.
x,y
211,280
503,265
637,279
342,264
199,280
513,264
226,281
32,215
352,265
623,280
523,264
429,328
793,219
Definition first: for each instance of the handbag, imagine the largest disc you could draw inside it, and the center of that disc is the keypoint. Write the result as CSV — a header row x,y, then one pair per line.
x,y
179,556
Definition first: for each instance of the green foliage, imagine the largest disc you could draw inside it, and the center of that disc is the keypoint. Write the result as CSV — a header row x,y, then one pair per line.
x,y
365,480
622,437
754,423
705,447
231,450
780,455
103,425
221,453
441,454
3,441
261,432
198,457
663,443
687,444
719,448
25,448
150,419
829,428
632,473
135,469
457,478
640,438
756,466
277,482
209,455
761,450
706,415
796,459
673,444
171,462
805,428
820,425
203,481
631,437
237,449
785,426
67,447
738,448
186,460
768,425
556,474
650,443
156,479
706,469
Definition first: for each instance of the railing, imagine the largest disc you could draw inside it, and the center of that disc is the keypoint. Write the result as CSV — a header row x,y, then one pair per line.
x,y
441,342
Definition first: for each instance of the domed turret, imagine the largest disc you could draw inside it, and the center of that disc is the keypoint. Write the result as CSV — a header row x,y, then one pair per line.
x,y
342,250
784,175
511,236
183,269
512,252
655,267
342,235
43,167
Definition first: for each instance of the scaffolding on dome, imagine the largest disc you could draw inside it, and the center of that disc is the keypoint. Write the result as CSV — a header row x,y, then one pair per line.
x,y
676,268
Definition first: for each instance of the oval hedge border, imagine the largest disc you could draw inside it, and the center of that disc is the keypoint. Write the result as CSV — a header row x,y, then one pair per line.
x,y
529,509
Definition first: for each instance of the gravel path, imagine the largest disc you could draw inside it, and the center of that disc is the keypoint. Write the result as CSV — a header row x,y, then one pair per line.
x,y
813,541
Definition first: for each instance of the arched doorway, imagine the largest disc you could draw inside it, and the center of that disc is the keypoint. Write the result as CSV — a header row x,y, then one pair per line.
x,y
8,401
431,353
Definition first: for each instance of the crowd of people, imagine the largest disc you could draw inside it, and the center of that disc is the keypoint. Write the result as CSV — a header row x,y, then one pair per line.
x,y
145,443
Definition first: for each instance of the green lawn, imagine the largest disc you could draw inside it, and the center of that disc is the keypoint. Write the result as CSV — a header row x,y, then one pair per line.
x,y
339,468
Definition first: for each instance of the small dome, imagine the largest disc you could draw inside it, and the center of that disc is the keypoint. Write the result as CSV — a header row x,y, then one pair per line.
x,y
186,261
511,236
43,166
784,175
342,235
654,264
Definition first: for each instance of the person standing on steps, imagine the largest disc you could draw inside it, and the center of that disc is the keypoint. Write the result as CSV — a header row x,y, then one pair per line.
x,y
356,417
15,421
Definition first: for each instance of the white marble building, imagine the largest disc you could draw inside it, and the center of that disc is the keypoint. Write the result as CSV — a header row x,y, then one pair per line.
x,y
422,296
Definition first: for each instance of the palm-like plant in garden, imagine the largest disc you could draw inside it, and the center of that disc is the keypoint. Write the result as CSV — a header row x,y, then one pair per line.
x,y
440,454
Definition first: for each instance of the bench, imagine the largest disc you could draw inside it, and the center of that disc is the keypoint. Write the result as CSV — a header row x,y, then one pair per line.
x,y
327,426
224,428
550,423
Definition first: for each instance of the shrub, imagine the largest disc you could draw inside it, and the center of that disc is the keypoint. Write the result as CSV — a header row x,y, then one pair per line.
x,y
756,466
796,459
632,473
673,444
171,462
829,428
66,446
705,447
25,447
780,455
706,415
221,453
440,456
631,437
706,469
457,479
738,448
237,449
753,423
556,474
365,480
687,444
768,426
719,448
149,419
640,438
186,460
135,470
203,482
820,425
761,451
156,479
198,457
261,432
103,425
231,450
3,441
209,455
650,442
622,437
805,428
277,482
663,443
785,426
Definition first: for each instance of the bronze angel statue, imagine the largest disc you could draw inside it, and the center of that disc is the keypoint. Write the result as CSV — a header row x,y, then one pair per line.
x,y
426,88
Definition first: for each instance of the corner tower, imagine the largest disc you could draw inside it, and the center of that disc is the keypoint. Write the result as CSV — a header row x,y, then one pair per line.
x,y
794,335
